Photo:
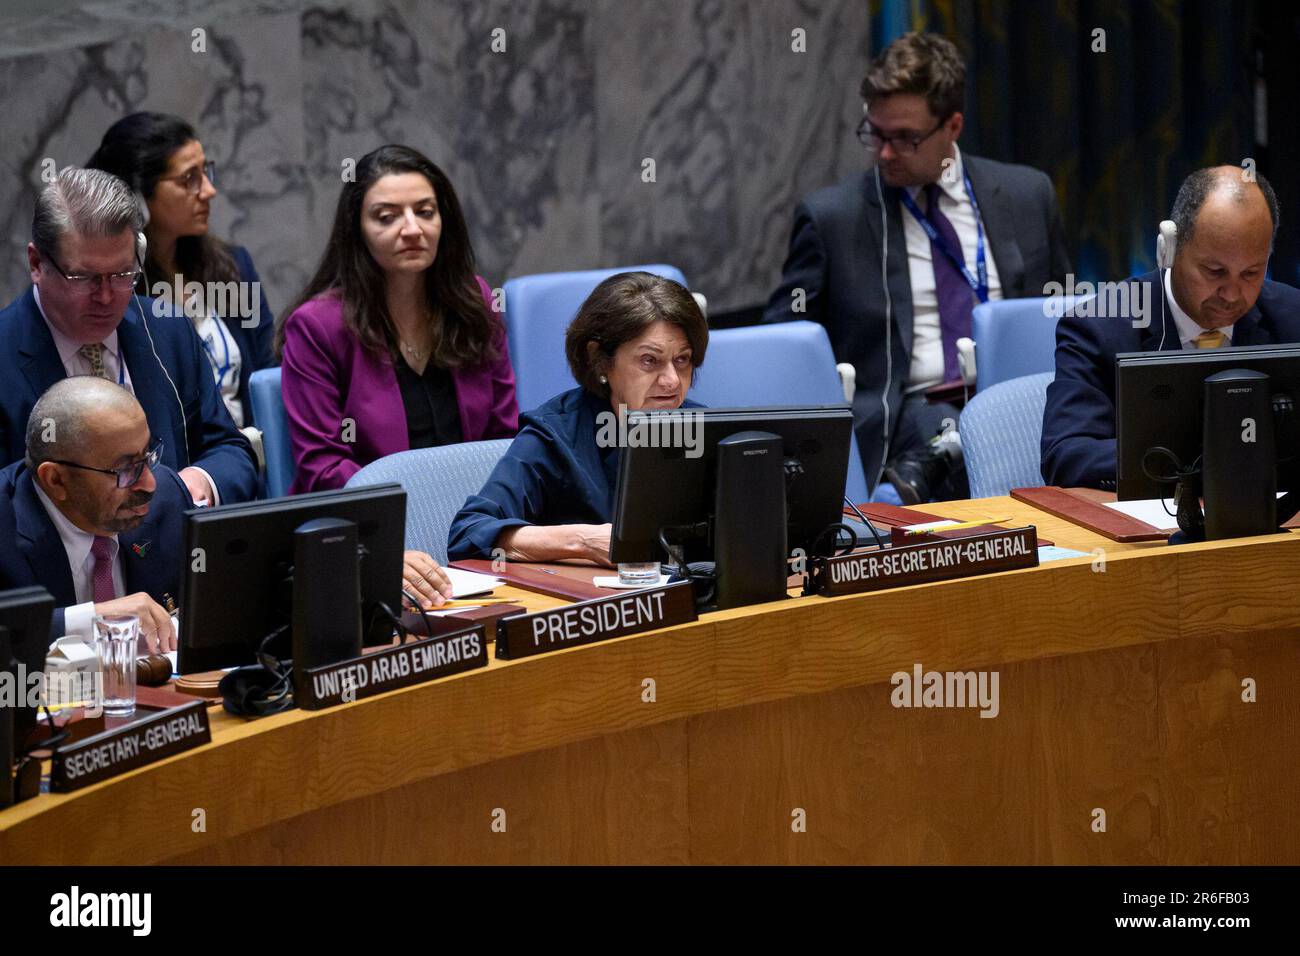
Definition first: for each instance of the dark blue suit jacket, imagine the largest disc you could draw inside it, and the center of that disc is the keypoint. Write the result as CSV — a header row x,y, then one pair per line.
x,y
834,257
152,554
29,364
552,473
1078,444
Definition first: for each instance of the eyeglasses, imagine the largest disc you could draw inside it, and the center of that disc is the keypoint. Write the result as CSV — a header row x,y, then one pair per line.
x,y
192,179
127,475
85,284
904,144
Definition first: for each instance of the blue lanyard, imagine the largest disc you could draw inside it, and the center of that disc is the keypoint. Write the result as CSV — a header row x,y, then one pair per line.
x,y
222,367
980,286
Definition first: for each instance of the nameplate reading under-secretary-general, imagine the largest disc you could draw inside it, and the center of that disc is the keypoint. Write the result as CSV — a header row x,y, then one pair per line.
x,y
927,562
599,619
133,745
398,666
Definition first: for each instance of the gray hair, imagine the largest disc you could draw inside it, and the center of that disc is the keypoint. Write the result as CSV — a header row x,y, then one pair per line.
x,y
1200,185
89,201
63,419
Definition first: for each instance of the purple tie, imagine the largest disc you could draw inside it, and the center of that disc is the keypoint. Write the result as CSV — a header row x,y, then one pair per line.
x,y
102,576
956,299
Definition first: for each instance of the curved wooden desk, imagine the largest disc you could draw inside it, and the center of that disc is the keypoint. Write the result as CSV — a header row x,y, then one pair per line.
x,y
1119,690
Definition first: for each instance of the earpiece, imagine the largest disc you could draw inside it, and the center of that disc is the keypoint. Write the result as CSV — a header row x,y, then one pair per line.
x,y
141,247
1166,245
1166,249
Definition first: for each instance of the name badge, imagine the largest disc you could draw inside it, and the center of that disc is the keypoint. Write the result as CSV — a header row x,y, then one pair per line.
x,y
598,619
924,563
399,666
134,745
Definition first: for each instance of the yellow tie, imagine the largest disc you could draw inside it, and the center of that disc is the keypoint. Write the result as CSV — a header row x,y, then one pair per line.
x,y
94,354
1210,339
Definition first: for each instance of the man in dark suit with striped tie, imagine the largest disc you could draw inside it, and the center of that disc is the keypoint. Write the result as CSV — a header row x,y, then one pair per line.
x,y
90,514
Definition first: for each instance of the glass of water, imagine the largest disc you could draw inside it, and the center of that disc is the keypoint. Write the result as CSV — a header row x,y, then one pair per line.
x,y
116,637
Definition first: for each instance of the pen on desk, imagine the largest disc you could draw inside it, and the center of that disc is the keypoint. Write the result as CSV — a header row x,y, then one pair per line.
x,y
956,527
473,602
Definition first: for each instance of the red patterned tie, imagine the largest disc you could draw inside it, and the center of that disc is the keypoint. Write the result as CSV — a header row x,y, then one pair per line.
x,y
102,576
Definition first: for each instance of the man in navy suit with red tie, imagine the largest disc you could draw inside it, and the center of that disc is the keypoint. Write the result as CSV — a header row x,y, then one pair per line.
x,y
1215,295
90,514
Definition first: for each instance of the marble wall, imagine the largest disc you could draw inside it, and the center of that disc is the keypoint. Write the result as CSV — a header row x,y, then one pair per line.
x,y
547,141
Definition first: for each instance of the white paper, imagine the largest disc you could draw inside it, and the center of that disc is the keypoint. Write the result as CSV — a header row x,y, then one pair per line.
x,y
467,583
1150,510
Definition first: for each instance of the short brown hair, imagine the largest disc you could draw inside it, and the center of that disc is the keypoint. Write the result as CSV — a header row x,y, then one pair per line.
x,y
926,64
619,310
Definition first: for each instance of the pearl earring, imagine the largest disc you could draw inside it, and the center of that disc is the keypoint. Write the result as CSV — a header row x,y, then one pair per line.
x,y
604,380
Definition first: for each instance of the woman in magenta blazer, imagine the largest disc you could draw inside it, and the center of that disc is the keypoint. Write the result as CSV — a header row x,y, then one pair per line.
x,y
394,343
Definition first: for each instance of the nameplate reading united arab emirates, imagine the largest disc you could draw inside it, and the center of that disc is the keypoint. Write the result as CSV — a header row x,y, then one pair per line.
x,y
394,667
926,562
599,619
133,745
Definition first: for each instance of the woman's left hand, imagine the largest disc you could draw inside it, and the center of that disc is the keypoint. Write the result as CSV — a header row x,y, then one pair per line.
x,y
424,578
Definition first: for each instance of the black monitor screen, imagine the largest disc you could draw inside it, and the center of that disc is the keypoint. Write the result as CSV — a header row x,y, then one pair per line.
x,y
1160,400
674,485
236,591
24,639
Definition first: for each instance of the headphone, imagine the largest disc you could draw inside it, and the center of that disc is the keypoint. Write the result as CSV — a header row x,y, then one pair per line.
x,y
1166,249
1166,244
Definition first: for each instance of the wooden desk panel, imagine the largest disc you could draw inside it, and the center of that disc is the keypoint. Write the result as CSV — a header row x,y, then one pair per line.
x,y
1119,690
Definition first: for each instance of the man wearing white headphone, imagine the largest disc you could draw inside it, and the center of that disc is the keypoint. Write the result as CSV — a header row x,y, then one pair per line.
x,y
1209,291
82,317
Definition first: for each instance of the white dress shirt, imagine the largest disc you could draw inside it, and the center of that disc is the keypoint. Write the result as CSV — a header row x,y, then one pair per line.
x,y
79,620
74,363
225,358
927,338
1188,328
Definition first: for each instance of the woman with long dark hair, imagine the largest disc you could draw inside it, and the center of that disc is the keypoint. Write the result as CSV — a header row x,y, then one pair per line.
x,y
161,158
394,343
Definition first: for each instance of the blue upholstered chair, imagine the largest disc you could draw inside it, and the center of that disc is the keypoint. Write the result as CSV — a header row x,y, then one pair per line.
x,y
538,310
268,412
1001,429
790,363
437,482
1015,337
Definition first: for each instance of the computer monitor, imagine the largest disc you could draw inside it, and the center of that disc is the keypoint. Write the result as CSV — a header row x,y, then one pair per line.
x,y
24,639
1160,402
665,486
238,586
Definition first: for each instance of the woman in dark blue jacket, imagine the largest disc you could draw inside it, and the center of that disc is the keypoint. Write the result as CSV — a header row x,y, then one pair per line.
x,y
213,282
634,344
